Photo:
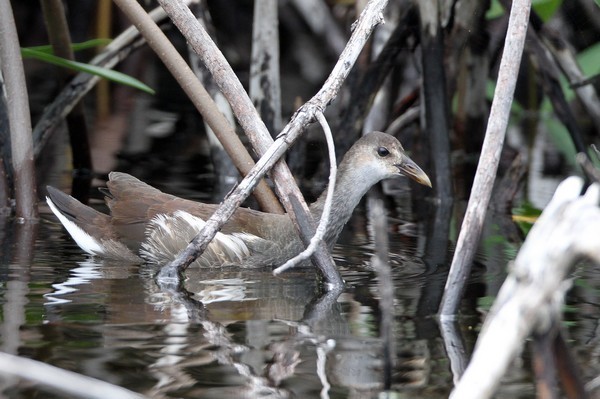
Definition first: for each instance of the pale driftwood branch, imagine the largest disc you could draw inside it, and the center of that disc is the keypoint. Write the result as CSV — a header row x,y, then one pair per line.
x,y
265,86
19,118
198,95
470,232
532,296
324,222
370,17
259,137
61,380
81,84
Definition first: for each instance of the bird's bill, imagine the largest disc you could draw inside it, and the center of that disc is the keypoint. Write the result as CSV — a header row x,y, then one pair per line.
x,y
410,169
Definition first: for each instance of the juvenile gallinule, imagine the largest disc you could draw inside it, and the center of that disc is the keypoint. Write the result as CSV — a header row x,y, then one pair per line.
x,y
147,224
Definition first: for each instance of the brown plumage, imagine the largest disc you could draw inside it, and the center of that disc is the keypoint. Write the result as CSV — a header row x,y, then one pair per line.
x,y
146,223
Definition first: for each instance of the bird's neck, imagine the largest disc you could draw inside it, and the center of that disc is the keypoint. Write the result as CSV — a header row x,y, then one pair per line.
x,y
351,185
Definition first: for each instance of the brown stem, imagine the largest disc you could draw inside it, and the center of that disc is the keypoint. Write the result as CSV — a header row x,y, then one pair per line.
x,y
18,116
82,83
247,115
199,96
60,39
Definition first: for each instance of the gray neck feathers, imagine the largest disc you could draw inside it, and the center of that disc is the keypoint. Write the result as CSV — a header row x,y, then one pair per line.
x,y
351,185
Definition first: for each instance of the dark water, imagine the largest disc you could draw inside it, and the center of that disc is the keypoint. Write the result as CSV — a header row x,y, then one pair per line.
x,y
245,333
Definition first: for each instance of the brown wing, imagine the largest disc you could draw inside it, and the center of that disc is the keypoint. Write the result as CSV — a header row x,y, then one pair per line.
x,y
134,203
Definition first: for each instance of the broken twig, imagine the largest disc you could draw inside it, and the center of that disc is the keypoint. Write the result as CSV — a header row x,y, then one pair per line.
x,y
320,233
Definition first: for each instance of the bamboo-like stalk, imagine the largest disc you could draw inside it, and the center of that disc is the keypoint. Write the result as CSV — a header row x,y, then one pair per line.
x,y
434,97
265,86
481,192
60,39
18,116
82,83
198,94
103,28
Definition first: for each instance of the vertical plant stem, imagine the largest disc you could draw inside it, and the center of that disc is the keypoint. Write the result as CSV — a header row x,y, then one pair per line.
x,y
198,95
103,24
18,115
250,121
481,192
247,115
60,39
5,169
265,87
119,49
435,97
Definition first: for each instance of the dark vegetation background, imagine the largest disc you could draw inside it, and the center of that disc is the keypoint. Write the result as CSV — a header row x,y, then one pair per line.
x,y
162,135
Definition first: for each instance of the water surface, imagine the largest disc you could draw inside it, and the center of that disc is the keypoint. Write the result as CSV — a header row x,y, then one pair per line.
x,y
232,333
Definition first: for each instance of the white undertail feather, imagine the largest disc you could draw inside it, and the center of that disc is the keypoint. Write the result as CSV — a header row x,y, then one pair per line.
x,y
169,234
85,241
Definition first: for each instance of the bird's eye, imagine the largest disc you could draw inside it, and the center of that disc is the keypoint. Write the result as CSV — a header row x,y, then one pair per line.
x,y
383,152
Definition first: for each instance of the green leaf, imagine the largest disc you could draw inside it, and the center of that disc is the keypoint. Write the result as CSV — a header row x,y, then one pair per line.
x,y
496,10
525,215
485,302
105,73
75,46
588,60
546,8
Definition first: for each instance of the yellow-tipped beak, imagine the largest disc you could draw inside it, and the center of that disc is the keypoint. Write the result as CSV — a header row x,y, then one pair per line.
x,y
410,169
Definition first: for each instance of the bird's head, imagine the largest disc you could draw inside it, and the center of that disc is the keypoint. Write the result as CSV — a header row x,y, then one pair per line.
x,y
382,156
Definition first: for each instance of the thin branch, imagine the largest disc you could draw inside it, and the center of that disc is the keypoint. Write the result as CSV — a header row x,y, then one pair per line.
x,y
324,222
253,126
490,155
586,164
567,61
371,78
568,64
369,18
198,95
548,77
